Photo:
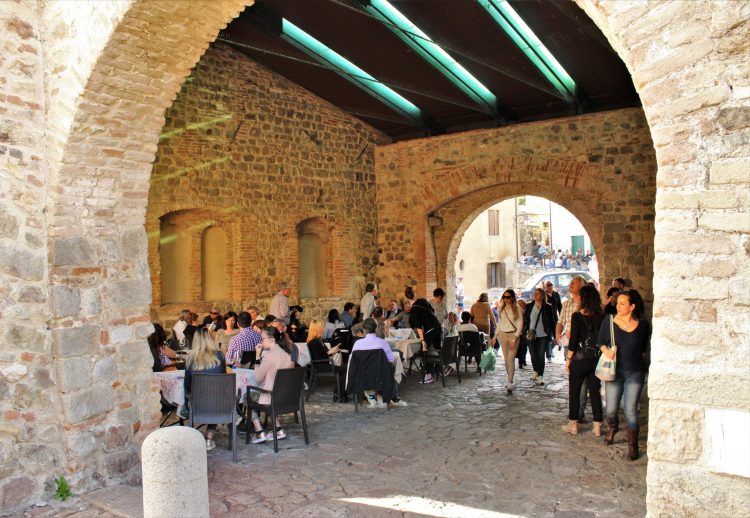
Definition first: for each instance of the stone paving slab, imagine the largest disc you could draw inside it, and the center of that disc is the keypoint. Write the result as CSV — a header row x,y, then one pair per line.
x,y
463,450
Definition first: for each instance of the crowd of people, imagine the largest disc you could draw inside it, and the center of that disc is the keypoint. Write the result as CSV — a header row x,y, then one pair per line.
x,y
546,257
583,326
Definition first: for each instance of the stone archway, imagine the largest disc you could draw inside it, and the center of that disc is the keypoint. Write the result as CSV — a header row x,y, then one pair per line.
x,y
80,270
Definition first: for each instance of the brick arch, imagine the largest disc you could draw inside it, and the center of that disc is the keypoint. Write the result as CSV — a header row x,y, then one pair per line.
x,y
686,60
461,212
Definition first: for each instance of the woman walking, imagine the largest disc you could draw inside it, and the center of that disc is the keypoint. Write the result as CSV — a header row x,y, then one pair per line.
x,y
583,354
482,313
539,319
509,325
632,337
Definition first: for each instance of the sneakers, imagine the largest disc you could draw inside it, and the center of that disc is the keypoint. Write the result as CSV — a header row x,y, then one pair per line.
x,y
509,387
534,376
427,379
398,402
540,381
210,444
279,435
260,437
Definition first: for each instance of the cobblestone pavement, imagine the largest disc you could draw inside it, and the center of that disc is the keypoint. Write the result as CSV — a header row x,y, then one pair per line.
x,y
462,450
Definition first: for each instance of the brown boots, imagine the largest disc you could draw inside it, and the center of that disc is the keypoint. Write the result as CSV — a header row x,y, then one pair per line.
x,y
632,444
612,427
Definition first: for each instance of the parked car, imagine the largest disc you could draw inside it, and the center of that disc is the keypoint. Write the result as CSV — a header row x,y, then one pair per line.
x,y
560,279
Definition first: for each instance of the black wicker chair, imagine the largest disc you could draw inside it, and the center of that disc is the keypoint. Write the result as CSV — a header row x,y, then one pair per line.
x,y
286,398
323,368
470,345
214,401
448,355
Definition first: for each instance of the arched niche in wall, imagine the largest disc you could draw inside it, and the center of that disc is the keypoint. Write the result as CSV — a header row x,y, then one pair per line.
x,y
214,267
174,258
313,237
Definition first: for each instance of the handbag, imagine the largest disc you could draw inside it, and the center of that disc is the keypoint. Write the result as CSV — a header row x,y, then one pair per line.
x,y
531,331
588,348
605,368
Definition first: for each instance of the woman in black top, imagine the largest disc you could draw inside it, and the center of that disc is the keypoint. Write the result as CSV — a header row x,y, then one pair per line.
x,y
583,354
632,338
430,332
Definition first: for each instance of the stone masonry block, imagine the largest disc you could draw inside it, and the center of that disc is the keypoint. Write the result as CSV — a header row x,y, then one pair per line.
x,y
674,432
120,334
736,171
72,251
21,263
73,373
64,301
124,294
74,341
25,338
84,404
726,222
8,225
134,244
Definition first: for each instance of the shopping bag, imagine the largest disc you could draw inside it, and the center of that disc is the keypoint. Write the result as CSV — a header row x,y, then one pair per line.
x,y
487,361
605,369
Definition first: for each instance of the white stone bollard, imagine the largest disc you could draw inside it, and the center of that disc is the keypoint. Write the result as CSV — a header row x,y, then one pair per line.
x,y
175,474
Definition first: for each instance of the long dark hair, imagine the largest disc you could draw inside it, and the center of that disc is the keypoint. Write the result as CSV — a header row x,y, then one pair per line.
x,y
635,298
591,301
158,337
333,316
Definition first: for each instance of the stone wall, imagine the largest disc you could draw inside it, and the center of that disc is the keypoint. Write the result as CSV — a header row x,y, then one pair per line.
x,y
601,167
250,152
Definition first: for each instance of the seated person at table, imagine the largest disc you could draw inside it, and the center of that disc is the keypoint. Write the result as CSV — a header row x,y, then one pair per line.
x,y
320,351
245,341
333,323
377,315
349,314
288,344
178,330
229,331
401,320
370,342
393,309
213,321
466,324
163,356
275,356
203,357
190,329
255,313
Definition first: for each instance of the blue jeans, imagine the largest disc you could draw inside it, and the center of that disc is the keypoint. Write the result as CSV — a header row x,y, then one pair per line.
x,y
630,384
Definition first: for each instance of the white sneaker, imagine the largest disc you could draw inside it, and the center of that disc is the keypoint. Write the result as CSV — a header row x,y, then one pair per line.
x,y
400,402
540,381
534,376
509,387
210,444
259,437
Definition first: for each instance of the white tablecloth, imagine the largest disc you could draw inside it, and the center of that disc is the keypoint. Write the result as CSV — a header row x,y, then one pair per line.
x,y
172,383
408,347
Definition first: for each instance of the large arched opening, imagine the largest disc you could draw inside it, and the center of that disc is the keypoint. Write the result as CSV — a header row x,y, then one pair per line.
x,y
97,164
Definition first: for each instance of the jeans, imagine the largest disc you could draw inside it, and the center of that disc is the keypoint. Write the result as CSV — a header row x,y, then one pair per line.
x,y
550,348
629,384
538,347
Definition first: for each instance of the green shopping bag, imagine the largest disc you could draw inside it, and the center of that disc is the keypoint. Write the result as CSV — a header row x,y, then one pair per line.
x,y
487,363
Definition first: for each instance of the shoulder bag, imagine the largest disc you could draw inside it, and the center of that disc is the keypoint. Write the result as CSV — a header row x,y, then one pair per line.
x,y
605,368
531,331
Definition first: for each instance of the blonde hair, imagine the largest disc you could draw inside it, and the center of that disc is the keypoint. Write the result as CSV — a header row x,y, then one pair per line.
x,y
203,356
315,330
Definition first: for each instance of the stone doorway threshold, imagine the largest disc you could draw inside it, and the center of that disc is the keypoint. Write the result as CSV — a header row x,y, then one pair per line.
x,y
119,501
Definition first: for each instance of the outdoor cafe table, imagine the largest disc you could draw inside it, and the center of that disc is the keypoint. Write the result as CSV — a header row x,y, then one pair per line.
x,y
409,347
172,383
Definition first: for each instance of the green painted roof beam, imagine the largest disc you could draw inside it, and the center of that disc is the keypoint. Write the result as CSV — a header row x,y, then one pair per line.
x,y
525,39
423,45
351,72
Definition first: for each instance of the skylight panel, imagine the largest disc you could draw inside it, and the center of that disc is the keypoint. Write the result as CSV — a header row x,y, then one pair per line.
x,y
525,39
423,45
349,71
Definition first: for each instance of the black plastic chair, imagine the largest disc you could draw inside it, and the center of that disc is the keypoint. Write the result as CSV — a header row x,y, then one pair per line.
x,y
323,368
470,345
248,357
286,398
213,400
448,355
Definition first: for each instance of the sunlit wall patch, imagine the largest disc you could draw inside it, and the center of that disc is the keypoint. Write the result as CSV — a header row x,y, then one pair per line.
x,y
525,39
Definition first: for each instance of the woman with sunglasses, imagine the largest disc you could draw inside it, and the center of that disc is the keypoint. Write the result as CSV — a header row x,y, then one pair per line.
x,y
509,325
538,317
632,339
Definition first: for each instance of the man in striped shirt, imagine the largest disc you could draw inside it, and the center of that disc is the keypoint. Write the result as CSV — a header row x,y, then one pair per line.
x,y
246,340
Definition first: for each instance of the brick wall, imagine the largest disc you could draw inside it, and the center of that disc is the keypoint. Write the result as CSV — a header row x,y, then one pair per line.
x,y
601,167
258,155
